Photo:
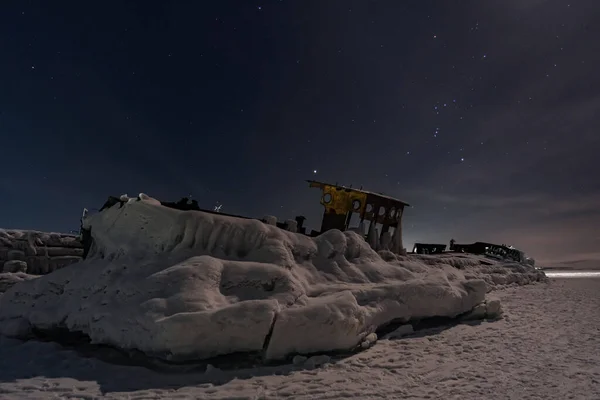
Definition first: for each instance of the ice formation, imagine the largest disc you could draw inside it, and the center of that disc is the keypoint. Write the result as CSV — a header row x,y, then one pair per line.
x,y
37,253
191,285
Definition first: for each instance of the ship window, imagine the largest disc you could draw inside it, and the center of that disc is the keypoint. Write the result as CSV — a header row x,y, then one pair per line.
x,y
327,198
356,205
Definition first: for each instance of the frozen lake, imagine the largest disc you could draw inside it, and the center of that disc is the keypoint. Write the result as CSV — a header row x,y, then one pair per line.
x,y
522,356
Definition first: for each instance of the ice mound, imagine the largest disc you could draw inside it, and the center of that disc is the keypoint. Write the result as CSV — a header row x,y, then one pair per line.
x,y
496,274
37,253
191,285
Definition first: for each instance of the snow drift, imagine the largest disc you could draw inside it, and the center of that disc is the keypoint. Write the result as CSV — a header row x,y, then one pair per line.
x,y
191,285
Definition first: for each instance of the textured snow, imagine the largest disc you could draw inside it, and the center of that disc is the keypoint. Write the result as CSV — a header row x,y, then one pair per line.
x,y
190,285
544,348
8,280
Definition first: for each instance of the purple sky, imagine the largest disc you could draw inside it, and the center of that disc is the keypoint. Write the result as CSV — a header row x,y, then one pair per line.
x,y
481,114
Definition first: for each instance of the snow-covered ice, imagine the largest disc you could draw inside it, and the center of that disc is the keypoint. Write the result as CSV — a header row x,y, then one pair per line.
x,y
182,285
543,348
8,279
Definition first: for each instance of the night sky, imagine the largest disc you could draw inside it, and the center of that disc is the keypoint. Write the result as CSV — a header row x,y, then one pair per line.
x,y
483,115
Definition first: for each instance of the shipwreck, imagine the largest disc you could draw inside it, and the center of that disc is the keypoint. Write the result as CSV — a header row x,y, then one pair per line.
x,y
341,204
497,251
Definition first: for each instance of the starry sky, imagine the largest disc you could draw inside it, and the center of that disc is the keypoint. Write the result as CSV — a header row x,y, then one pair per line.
x,y
483,115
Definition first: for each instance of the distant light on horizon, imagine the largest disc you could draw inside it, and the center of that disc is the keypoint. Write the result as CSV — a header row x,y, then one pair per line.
x,y
572,274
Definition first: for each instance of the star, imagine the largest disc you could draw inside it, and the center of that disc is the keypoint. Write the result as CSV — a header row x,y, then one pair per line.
x,y
354,118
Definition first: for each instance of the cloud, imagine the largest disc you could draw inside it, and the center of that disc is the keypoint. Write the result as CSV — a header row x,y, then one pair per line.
x,y
579,261
546,226
536,204
481,200
532,183
555,142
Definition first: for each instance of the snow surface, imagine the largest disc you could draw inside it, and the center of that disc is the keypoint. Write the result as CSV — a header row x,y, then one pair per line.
x,y
544,348
183,285
8,280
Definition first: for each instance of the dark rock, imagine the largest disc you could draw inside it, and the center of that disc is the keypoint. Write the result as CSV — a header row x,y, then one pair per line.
x,y
62,261
16,255
15,266
64,251
38,265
